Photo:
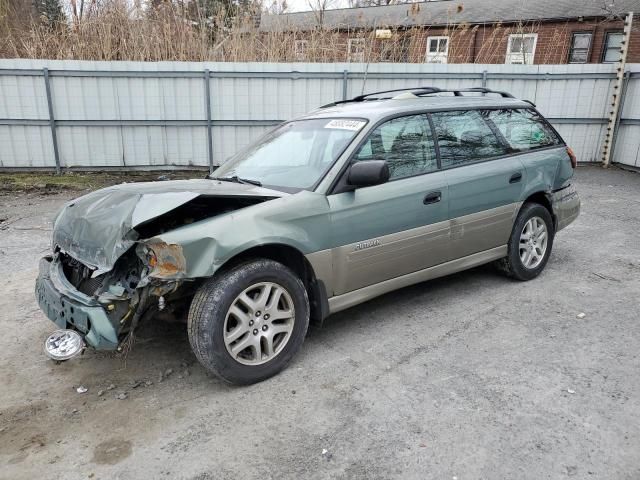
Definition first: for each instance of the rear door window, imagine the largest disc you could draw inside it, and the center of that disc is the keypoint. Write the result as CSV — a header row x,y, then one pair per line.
x,y
524,129
405,143
466,137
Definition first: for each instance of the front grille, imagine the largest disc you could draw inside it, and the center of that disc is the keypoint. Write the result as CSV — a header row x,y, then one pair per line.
x,y
79,275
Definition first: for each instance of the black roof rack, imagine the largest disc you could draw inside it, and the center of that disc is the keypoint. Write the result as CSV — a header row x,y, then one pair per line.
x,y
419,91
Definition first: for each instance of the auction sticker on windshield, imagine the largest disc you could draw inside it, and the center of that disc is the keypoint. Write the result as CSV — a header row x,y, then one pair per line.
x,y
343,124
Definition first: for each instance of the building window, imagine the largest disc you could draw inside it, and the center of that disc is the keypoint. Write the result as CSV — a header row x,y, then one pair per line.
x,y
355,50
580,47
521,48
300,49
611,49
437,49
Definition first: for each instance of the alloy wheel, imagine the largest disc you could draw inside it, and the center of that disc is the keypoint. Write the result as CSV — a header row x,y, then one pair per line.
x,y
533,242
259,323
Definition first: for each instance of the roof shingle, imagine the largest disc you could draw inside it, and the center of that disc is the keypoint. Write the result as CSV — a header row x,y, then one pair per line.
x,y
450,12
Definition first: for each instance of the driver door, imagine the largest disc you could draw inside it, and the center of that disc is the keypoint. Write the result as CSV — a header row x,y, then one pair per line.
x,y
385,231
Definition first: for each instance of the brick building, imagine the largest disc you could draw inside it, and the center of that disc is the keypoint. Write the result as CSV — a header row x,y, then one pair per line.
x,y
463,31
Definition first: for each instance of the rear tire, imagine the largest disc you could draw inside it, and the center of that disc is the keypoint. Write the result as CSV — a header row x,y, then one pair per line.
x,y
530,243
246,324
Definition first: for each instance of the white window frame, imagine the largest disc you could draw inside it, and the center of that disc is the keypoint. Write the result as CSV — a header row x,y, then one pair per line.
x,y
521,58
437,57
300,49
353,55
606,47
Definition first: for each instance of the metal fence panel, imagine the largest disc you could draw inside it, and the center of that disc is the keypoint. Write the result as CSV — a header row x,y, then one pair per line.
x,y
26,146
154,115
627,150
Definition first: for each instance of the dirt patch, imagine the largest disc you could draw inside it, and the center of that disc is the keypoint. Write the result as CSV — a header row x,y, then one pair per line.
x,y
22,413
112,451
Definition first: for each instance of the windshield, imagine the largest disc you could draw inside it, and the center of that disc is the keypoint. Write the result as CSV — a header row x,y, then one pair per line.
x,y
295,155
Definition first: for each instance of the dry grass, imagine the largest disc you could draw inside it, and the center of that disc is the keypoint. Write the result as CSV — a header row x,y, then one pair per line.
x,y
34,181
116,32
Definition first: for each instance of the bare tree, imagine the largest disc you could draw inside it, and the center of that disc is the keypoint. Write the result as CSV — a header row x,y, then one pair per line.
x,y
319,7
377,3
82,9
49,11
276,7
612,11
16,17
77,10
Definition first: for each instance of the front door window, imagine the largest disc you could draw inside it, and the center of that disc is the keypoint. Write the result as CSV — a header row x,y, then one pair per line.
x,y
405,143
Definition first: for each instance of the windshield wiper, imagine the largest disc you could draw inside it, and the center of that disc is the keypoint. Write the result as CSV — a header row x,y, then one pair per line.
x,y
237,179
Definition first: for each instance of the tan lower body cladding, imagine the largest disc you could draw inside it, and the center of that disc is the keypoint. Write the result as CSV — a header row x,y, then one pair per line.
x,y
360,271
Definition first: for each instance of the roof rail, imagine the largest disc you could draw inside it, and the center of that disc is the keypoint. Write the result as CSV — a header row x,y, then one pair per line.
x,y
415,90
419,91
361,98
481,90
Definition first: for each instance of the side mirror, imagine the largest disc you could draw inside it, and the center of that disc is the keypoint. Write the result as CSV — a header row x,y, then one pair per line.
x,y
368,172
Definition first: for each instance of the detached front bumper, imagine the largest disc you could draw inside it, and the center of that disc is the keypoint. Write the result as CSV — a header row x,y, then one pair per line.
x,y
69,308
566,206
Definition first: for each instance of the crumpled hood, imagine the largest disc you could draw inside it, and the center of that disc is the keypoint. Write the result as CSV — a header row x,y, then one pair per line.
x,y
97,228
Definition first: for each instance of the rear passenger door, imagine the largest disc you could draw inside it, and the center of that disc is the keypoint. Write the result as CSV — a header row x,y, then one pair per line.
x,y
485,180
385,231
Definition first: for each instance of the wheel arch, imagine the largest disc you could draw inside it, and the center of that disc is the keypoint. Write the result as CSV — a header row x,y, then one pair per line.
x,y
294,259
542,198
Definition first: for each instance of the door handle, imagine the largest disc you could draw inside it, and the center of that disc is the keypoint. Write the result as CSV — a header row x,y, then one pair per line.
x,y
432,197
516,177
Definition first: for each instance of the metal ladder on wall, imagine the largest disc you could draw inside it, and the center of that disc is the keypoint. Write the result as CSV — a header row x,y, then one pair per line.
x,y
619,87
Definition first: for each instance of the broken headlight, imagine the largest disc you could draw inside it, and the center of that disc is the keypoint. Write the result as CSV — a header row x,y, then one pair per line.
x,y
163,260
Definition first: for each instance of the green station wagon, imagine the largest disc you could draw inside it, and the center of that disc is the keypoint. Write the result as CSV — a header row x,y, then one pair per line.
x,y
326,211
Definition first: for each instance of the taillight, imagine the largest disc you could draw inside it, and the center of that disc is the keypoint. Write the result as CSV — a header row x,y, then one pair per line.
x,y
572,157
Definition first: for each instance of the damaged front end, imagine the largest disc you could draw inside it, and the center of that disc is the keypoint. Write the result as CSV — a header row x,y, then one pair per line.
x,y
103,308
109,271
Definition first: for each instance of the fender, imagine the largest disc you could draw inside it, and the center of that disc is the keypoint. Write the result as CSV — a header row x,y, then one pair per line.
x,y
210,243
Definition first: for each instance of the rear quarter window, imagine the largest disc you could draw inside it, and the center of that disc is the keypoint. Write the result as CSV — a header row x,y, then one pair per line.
x,y
524,129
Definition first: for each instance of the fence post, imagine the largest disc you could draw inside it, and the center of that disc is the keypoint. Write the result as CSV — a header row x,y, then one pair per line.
x,y
345,82
207,105
52,120
484,79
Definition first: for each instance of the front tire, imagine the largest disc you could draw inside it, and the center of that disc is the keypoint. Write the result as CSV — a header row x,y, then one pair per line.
x,y
530,243
246,324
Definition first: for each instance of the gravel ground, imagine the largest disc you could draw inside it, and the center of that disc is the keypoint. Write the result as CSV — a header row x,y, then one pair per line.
x,y
472,376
